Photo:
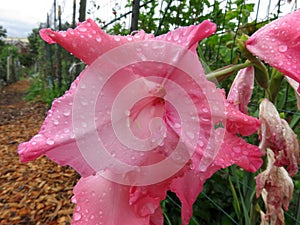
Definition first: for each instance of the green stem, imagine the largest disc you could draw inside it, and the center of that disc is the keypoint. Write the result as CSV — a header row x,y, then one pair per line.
x,y
224,72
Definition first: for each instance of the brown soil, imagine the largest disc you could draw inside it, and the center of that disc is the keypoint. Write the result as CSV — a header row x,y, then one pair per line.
x,y
38,192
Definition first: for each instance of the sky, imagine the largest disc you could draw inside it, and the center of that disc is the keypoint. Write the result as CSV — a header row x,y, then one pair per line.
x,y
19,17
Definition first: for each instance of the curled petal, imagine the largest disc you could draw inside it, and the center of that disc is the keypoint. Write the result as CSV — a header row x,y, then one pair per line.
x,y
241,89
290,156
278,44
271,131
277,189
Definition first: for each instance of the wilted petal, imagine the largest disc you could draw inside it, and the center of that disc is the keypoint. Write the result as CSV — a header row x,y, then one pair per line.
x,y
276,134
99,201
295,86
241,89
271,130
290,156
277,188
278,44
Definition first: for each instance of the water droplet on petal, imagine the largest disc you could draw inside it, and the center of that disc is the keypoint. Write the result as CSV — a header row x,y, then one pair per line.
x,y
82,29
282,48
66,112
190,135
76,216
236,149
50,141
117,38
200,143
98,39
205,110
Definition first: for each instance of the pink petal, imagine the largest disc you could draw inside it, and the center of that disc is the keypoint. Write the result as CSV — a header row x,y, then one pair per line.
x,y
238,122
295,86
56,138
241,89
278,44
191,35
187,189
99,201
87,41
233,150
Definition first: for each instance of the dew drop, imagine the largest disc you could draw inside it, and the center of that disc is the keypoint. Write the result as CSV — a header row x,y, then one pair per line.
x,y
201,143
56,122
66,130
177,125
117,38
82,29
98,39
33,143
127,113
205,110
73,200
66,112
282,48
236,149
76,216
50,141
84,103
190,135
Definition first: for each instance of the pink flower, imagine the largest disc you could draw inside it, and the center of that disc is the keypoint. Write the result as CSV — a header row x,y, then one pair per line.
x,y
139,121
278,44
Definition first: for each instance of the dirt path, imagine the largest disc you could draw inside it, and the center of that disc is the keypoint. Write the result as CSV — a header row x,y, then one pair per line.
x,y
38,192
